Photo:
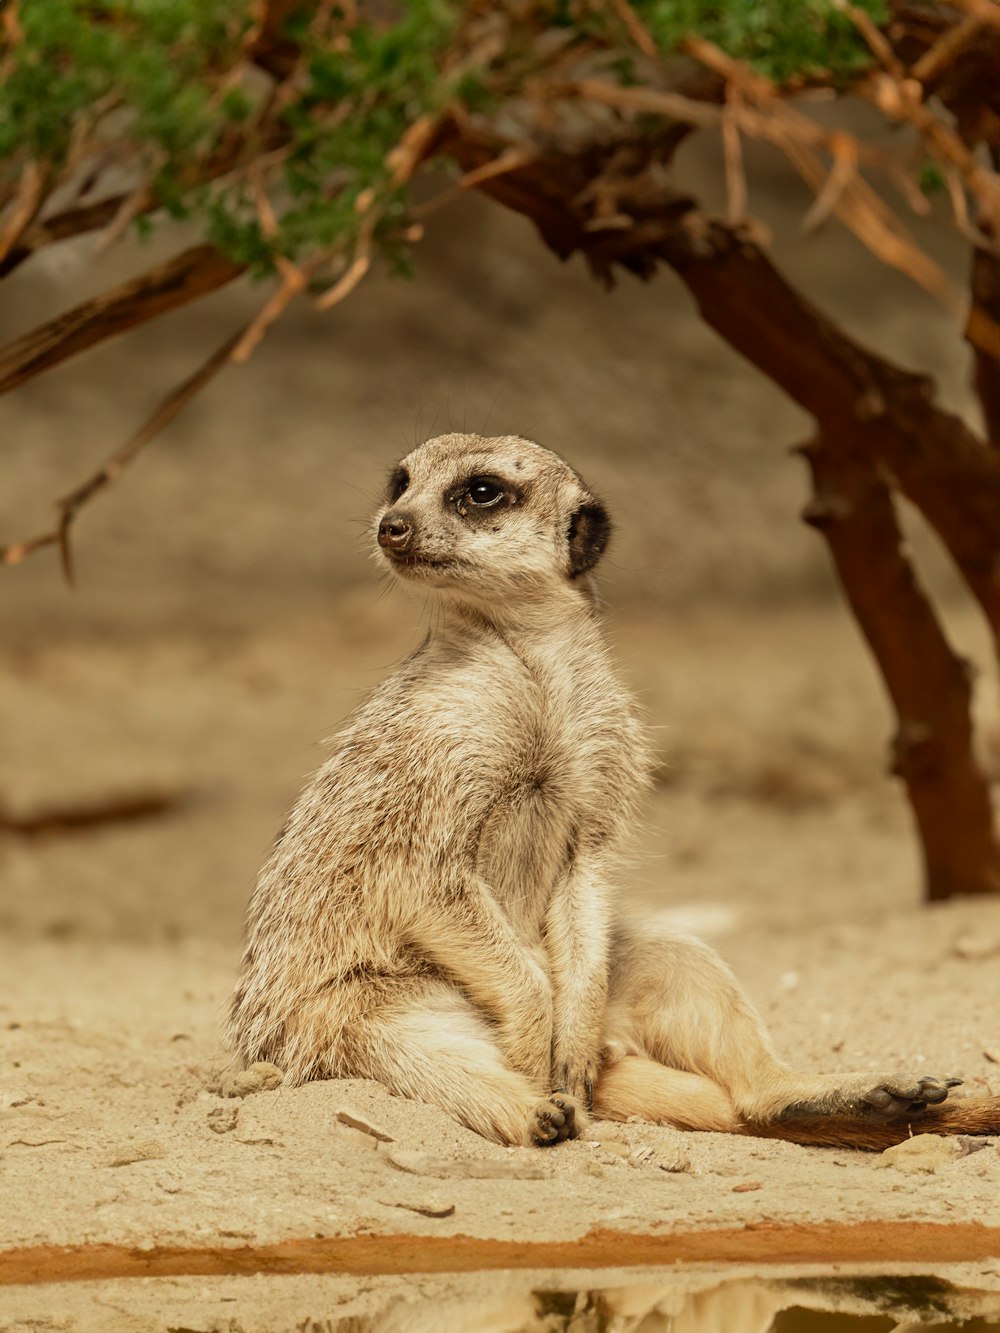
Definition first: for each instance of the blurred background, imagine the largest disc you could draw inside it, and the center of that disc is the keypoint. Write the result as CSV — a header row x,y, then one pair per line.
x,y
228,614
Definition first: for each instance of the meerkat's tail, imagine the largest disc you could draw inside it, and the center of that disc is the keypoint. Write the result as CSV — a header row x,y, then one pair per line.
x,y
968,1115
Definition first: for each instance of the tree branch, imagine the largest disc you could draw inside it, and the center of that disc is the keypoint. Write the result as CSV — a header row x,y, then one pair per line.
x,y
933,457
60,227
71,504
184,278
984,286
927,683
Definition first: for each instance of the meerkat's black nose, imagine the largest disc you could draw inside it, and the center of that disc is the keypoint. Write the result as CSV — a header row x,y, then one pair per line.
x,y
394,532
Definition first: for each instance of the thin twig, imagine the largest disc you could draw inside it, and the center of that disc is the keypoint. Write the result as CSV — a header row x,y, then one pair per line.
x,y
511,159
28,200
845,167
732,149
878,44
902,101
675,105
856,203
60,819
407,155
947,48
345,284
70,504
872,222
139,201
60,227
13,34
637,30
294,280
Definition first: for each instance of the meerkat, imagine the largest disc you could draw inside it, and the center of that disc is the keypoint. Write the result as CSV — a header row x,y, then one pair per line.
x,y
438,913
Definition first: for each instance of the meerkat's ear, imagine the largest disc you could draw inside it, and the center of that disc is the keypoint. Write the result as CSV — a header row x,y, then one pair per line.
x,y
589,533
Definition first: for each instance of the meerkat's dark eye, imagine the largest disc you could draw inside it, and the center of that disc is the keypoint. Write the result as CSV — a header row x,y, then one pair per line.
x,y
398,483
484,492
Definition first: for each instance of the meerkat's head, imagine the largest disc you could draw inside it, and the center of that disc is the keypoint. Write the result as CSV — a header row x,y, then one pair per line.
x,y
490,519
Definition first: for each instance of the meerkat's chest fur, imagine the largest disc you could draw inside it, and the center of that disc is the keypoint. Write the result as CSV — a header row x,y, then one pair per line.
x,y
499,759
575,764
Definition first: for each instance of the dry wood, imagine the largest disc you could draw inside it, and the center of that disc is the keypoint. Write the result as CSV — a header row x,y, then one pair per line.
x,y
637,30
984,287
183,279
75,221
87,814
28,199
928,684
71,504
933,456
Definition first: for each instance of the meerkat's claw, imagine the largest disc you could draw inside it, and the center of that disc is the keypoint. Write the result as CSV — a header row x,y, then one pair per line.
x,y
578,1083
907,1094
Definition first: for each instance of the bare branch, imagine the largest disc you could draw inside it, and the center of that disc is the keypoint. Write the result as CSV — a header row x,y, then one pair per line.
x,y
88,814
60,227
736,180
985,290
71,504
28,199
185,278
637,30
931,454
346,283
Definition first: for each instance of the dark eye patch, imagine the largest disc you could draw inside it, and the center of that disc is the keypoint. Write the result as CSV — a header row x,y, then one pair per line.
x,y
398,483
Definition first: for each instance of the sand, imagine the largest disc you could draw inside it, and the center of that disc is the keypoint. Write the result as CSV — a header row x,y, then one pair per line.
x,y
122,1160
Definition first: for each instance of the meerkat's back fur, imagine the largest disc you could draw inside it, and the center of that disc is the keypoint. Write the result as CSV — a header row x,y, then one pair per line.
x,y
438,914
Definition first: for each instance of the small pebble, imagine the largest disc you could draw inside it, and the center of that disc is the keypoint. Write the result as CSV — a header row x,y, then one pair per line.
x,y
676,1165
354,1120
924,1153
145,1150
976,947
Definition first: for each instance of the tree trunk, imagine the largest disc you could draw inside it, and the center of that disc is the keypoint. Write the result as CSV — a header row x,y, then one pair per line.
x,y
928,684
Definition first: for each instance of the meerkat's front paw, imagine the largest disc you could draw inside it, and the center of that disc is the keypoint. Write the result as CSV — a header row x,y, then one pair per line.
x,y
554,1120
577,1078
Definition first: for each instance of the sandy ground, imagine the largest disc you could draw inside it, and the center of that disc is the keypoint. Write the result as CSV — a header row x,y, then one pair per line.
x,y
772,831
227,619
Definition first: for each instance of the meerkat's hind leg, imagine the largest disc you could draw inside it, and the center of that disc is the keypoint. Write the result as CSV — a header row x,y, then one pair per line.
x,y
636,1086
674,1000
436,1048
